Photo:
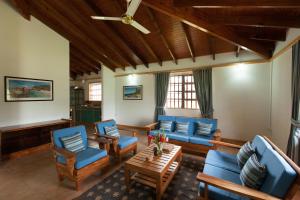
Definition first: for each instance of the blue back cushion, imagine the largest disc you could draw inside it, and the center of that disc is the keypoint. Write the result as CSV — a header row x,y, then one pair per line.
x,y
100,126
260,145
58,134
187,120
167,118
214,123
280,175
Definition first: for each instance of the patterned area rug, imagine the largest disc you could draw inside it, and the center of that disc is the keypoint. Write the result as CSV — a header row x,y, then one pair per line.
x,y
184,185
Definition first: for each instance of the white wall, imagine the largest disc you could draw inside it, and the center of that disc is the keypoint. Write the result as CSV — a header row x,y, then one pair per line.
x,y
241,96
241,99
108,94
281,98
32,50
135,112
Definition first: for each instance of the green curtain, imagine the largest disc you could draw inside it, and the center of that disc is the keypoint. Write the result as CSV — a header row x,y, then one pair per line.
x,y
203,87
161,91
294,138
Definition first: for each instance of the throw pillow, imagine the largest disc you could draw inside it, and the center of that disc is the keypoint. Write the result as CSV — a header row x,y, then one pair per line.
x,y
165,125
244,154
253,173
73,143
203,128
182,127
112,131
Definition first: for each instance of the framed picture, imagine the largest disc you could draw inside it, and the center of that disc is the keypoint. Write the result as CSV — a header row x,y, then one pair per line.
x,y
134,92
27,89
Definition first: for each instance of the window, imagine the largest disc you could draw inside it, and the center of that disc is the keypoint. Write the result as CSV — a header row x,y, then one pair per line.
x,y
95,90
181,92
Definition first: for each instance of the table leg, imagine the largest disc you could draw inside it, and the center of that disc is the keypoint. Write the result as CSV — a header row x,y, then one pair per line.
x,y
127,179
159,188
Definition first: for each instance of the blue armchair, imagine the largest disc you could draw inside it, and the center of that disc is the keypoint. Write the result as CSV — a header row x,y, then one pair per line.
x,y
74,159
121,144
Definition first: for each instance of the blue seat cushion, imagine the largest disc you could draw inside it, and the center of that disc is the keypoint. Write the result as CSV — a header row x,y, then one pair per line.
x,y
86,157
223,160
215,193
260,145
280,175
200,140
125,141
178,136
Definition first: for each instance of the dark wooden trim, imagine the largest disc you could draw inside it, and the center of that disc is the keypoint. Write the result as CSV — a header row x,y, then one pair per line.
x,y
211,45
238,50
23,8
238,3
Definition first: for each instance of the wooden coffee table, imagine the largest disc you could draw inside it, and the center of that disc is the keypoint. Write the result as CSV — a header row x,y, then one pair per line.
x,y
157,173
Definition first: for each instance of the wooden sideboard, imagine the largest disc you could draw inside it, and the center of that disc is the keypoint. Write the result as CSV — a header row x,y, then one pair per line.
x,y
26,138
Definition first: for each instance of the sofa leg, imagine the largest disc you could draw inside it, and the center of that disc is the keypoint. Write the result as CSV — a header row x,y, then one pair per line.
x,y
149,141
135,150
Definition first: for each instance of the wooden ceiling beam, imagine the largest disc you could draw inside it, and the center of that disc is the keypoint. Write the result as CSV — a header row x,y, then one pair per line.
x,y
140,36
95,9
92,64
161,35
84,64
84,26
67,31
211,45
188,16
237,3
262,33
23,8
256,20
188,40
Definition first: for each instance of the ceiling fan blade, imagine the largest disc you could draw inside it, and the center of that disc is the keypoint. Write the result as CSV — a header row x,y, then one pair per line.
x,y
138,26
133,6
106,18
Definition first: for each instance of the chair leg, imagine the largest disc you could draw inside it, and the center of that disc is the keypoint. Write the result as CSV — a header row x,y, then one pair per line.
x,y
120,158
77,185
134,150
60,177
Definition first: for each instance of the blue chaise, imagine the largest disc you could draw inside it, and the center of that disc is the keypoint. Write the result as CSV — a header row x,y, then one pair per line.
x,y
190,141
220,178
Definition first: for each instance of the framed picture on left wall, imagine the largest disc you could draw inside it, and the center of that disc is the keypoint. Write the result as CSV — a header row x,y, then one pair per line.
x,y
27,89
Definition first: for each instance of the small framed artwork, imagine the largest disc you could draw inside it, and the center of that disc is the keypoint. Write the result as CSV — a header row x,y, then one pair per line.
x,y
134,92
27,89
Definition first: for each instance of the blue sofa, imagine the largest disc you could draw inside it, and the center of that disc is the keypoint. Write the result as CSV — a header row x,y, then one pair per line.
x,y
190,142
222,171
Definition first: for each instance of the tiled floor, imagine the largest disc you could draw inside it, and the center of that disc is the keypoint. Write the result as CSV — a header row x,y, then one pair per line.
x,y
34,177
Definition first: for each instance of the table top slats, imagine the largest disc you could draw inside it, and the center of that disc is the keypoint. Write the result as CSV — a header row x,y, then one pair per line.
x,y
158,164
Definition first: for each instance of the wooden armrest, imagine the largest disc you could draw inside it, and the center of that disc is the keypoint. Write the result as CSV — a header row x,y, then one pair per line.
x,y
70,159
235,188
109,137
151,126
225,144
67,154
130,128
100,140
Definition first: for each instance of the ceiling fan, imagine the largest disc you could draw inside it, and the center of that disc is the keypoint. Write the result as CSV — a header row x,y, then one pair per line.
x,y
127,18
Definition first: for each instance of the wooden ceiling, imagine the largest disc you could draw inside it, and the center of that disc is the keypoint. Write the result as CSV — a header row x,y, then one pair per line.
x,y
179,29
